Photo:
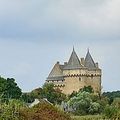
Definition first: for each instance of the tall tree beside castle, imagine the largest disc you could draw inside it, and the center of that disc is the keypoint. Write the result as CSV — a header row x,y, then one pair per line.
x,y
75,74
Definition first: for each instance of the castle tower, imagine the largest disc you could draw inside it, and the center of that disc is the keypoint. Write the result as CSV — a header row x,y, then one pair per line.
x,y
75,74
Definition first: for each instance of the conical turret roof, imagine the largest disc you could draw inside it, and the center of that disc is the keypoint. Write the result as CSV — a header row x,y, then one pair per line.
x,y
89,62
74,62
56,71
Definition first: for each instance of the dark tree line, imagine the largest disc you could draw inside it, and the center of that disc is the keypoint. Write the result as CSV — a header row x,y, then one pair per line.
x,y
112,95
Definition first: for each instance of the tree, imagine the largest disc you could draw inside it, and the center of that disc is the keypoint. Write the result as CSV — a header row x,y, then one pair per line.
x,y
83,104
112,95
9,89
31,96
27,97
87,89
53,95
80,103
74,93
94,108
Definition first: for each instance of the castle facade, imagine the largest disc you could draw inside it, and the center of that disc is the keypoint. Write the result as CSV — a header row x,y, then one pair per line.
x,y
75,74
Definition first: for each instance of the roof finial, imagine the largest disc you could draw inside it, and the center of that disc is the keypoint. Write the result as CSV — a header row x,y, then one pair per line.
x,y
88,49
73,48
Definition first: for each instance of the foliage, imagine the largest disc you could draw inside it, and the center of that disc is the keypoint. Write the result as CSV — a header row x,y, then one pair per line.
x,y
87,89
27,97
103,101
17,110
94,108
116,103
36,93
82,104
44,111
47,91
30,97
74,93
11,110
112,95
111,112
53,95
9,89
87,117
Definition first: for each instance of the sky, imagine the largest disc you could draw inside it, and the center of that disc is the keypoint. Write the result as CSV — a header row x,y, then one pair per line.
x,y
35,34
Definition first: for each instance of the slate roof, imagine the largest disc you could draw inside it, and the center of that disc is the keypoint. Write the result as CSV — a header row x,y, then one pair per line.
x,y
74,62
89,62
56,73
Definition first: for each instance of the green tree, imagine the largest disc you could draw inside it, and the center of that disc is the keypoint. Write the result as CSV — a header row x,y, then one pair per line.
x,y
83,104
74,93
94,108
9,89
112,95
87,89
53,95
27,97
80,103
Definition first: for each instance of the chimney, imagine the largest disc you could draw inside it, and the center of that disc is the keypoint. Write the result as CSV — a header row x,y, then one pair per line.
x,y
96,64
65,63
82,61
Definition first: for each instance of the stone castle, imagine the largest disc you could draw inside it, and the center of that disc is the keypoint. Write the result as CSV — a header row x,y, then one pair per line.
x,y
75,74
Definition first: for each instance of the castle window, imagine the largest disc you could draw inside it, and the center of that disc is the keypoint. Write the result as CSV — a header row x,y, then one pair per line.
x,y
80,79
92,76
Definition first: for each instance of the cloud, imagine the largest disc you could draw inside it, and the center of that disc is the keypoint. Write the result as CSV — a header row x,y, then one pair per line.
x,y
34,34
64,19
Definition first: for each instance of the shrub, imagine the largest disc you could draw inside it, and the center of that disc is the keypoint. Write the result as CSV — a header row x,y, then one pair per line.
x,y
94,108
44,111
11,110
111,112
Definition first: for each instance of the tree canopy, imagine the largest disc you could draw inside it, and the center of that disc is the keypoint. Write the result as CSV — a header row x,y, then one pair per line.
x,y
53,95
9,89
112,95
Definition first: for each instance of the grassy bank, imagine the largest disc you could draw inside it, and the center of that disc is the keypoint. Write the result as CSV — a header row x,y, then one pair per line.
x,y
87,117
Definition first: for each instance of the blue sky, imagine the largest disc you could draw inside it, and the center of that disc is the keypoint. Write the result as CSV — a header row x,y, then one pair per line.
x,y
34,34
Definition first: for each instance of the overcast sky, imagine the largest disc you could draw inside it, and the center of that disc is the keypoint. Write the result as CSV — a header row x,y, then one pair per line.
x,y
35,34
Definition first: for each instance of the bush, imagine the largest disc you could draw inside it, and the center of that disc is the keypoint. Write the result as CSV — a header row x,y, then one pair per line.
x,y
111,112
94,108
44,111
11,110
83,104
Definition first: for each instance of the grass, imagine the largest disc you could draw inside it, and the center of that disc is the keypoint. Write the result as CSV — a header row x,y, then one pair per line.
x,y
88,117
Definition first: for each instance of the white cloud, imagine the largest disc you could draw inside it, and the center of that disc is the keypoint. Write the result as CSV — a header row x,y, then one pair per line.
x,y
32,32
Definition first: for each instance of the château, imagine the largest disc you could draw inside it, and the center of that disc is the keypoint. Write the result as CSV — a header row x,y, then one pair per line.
x,y
75,74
